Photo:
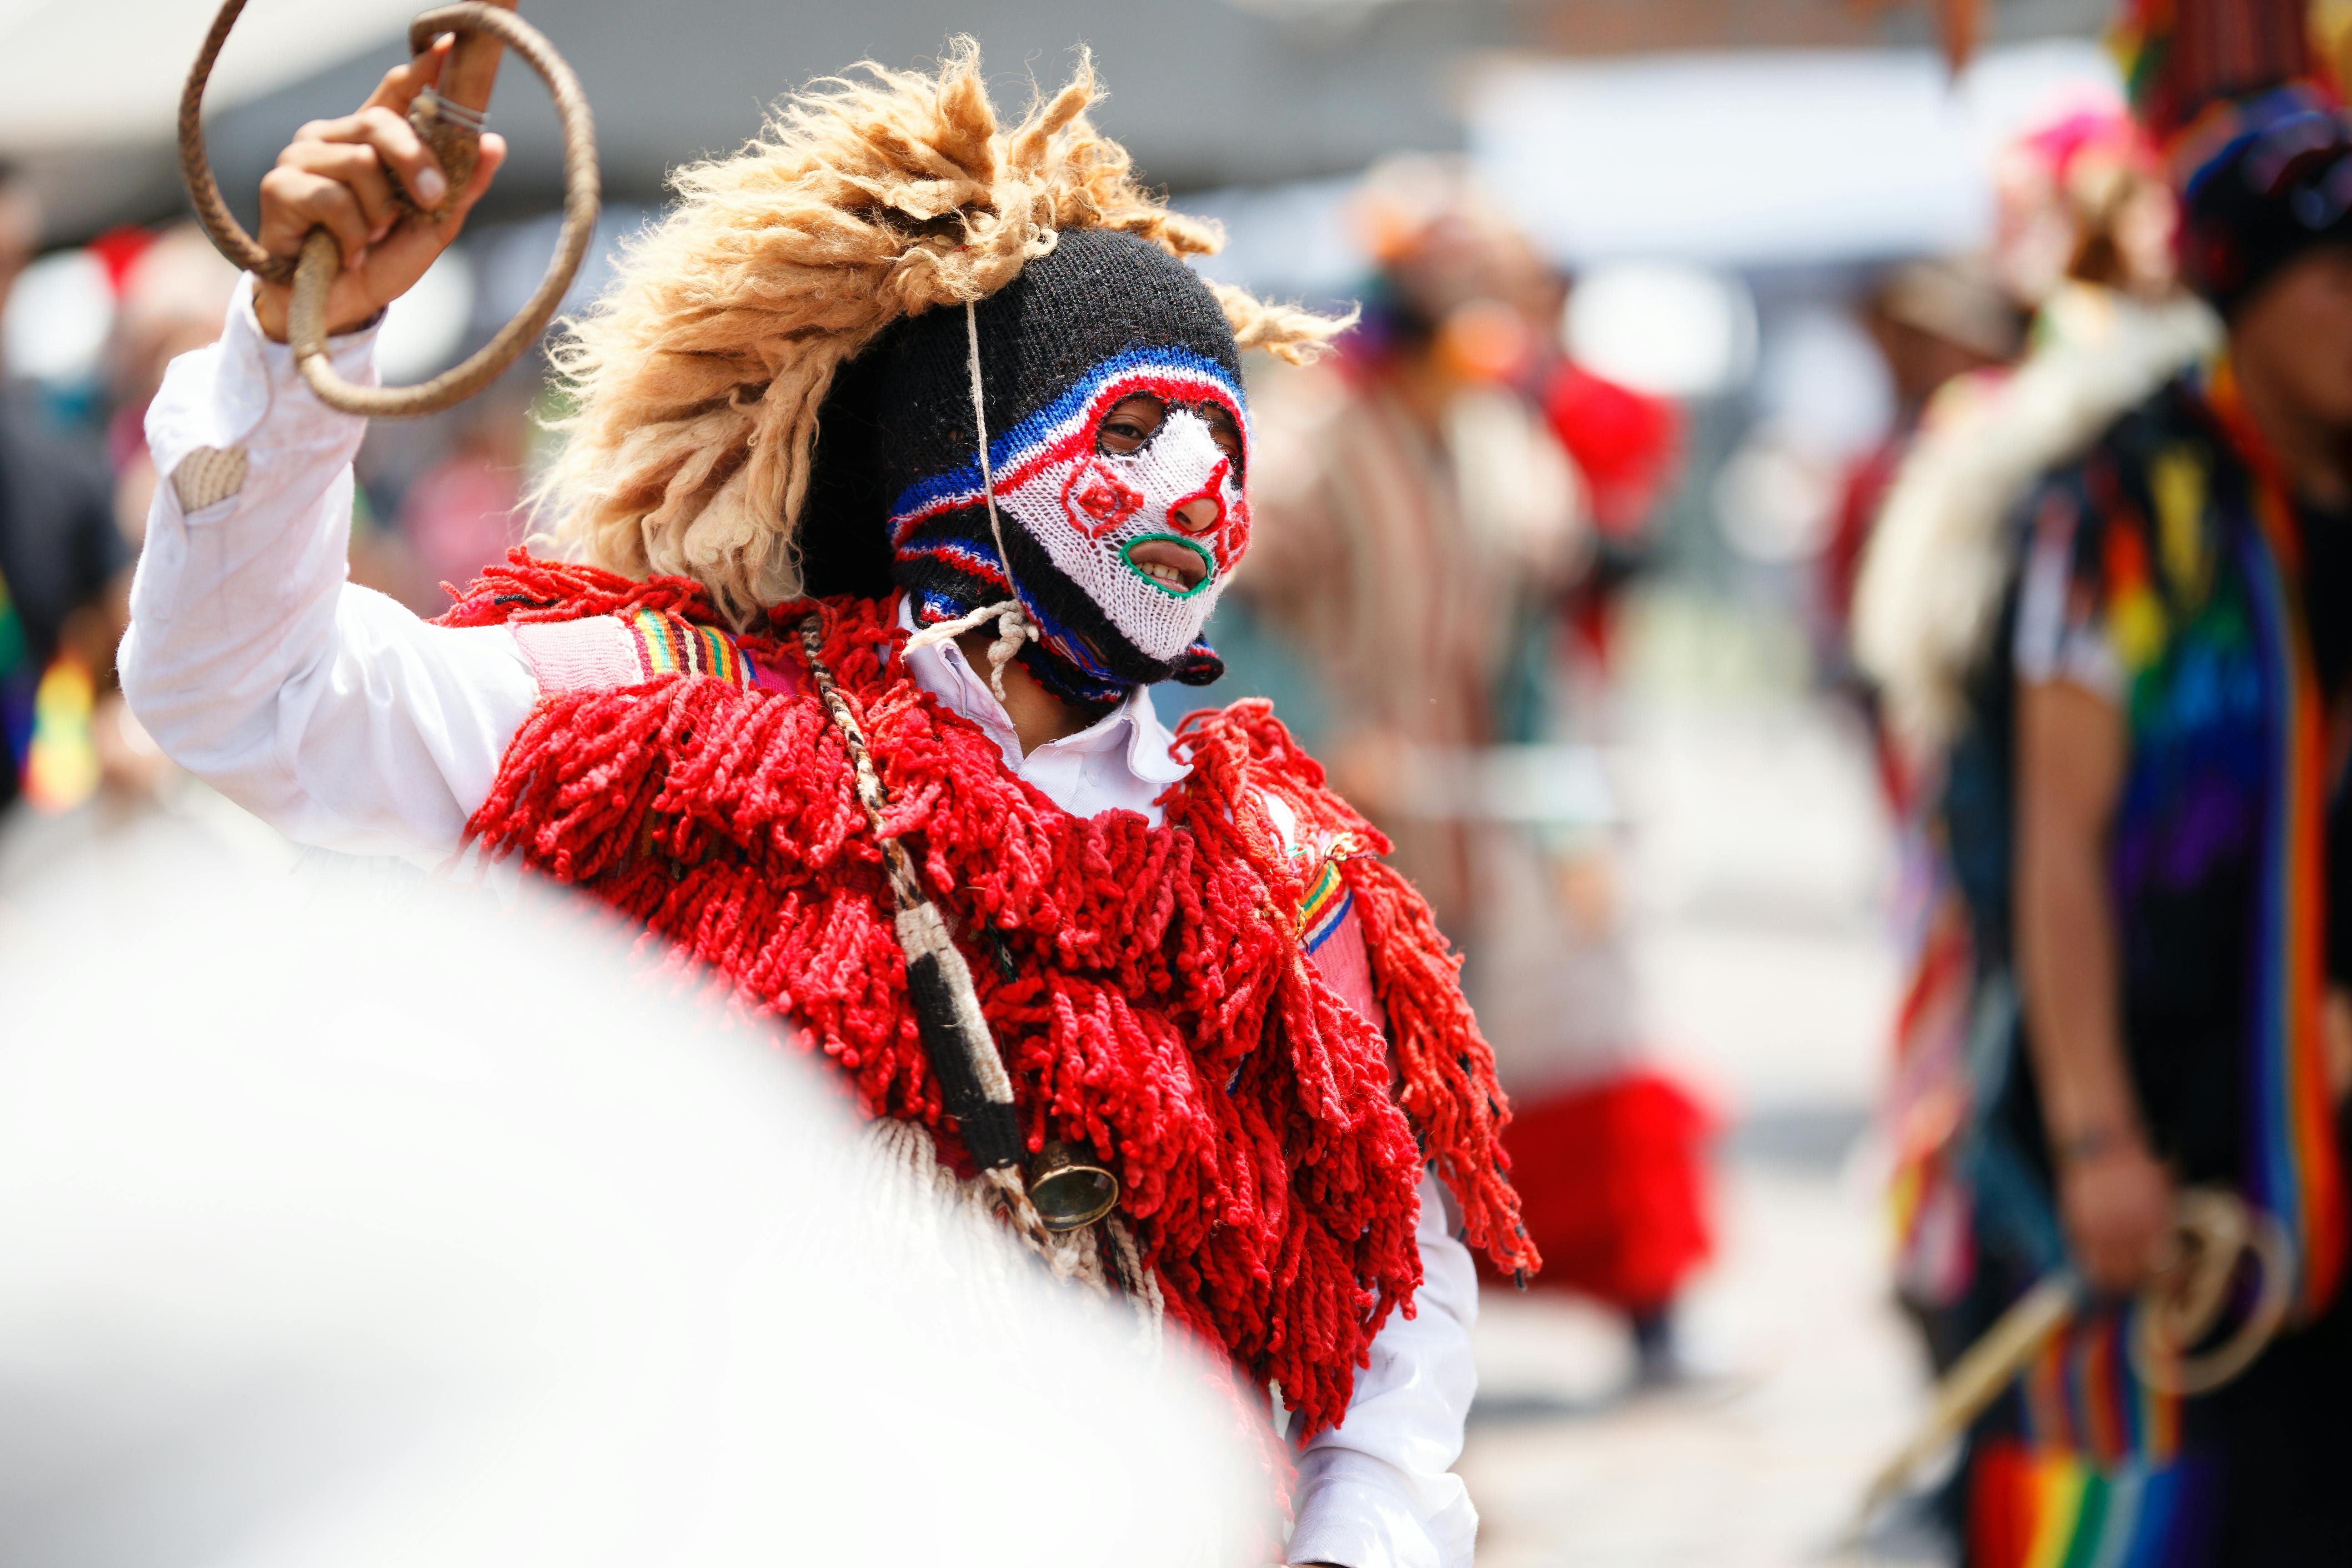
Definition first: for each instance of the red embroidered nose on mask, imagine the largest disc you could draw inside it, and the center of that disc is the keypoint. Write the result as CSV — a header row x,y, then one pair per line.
x,y
1149,536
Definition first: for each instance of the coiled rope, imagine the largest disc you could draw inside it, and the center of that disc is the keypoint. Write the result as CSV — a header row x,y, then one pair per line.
x,y
2215,1232
453,139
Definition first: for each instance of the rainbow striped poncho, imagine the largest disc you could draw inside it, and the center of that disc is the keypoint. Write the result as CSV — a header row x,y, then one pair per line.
x,y
2165,570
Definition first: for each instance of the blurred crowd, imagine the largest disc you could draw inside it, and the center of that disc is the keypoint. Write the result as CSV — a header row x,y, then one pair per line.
x,y
438,499
2086,597
2006,364
1449,509
1456,470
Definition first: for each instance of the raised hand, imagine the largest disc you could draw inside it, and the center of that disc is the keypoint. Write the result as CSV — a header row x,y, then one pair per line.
x,y
342,173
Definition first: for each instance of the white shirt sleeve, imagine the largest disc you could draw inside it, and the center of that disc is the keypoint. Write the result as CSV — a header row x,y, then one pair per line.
x,y
1377,1490
328,710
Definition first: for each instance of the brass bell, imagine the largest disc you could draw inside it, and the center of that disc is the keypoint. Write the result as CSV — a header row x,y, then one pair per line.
x,y
1067,1188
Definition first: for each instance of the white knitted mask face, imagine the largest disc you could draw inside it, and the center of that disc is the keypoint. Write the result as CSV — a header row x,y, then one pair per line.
x,y
1087,508
1091,507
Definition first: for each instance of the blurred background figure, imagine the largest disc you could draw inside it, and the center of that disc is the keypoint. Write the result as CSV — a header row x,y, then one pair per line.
x,y
2081,283
2066,582
1423,519
62,569
1627,447
465,511
1941,326
2084,241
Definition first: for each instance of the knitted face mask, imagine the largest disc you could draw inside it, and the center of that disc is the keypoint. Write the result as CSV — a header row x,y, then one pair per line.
x,y
1151,535
1092,525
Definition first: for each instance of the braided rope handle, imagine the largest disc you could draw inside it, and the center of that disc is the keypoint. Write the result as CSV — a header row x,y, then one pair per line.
x,y
2217,1231
906,886
314,271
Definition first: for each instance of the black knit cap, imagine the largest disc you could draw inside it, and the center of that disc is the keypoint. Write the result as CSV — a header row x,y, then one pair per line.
x,y
2278,188
900,419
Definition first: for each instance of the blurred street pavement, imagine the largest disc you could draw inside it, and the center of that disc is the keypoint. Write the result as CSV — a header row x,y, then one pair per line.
x,y
1759,868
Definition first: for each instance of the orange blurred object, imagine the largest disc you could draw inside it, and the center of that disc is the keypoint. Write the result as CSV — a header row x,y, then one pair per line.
x,y
1958,26
61,767
1486,341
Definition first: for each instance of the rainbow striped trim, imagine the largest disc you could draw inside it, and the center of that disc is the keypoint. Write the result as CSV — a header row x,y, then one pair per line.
x,y
1325,906
2041,1508
2101,1479
668,645
1333,936
2295,1172
2080,1397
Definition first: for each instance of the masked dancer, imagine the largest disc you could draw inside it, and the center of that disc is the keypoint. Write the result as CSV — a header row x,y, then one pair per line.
x,y
907,455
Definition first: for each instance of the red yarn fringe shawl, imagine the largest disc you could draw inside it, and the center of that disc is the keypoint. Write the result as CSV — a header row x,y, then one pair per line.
x,y
1146,985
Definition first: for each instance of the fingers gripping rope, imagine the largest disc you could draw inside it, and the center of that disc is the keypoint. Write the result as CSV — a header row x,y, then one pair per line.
x,y
444,126
2215,1232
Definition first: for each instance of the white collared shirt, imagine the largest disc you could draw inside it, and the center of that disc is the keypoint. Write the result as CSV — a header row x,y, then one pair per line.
x,y
1122,761
344,721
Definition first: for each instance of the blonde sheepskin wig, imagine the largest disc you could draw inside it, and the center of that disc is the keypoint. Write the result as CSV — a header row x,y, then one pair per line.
x,y
699,376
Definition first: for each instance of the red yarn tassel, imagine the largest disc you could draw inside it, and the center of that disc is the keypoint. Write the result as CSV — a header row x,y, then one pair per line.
x,y
1448,1088
1449,1069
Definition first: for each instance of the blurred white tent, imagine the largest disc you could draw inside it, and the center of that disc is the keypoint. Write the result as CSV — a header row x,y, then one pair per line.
x,y
1769,157
1205,93
1766,158
96,91
1214,93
